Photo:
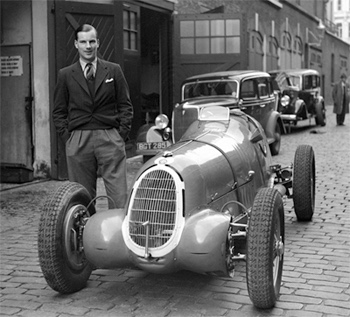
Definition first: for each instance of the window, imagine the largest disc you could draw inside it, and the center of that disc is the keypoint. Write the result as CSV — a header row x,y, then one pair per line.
x,y
263,88
340,29
216,36
130,30
248,90
339,5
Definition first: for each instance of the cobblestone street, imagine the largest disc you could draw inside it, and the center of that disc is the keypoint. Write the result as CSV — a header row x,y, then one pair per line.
x,y
316,274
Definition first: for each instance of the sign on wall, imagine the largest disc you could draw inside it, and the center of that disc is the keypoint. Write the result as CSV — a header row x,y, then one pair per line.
x,y
11,66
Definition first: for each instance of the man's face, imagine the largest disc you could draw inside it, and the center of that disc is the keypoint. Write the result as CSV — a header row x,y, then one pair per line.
x,y
87,45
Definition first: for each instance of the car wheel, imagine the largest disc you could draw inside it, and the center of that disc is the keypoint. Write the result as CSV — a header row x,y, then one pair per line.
x,y
275,146
320,118
61,254
304,182
265,248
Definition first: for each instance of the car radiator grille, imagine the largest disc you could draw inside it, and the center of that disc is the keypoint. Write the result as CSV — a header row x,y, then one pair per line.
x,y
155,202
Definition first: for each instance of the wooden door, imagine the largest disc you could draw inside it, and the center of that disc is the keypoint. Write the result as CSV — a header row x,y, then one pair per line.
x,y
16,108
107,19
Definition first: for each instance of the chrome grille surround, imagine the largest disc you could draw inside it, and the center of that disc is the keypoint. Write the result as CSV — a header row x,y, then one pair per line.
x,y
157,198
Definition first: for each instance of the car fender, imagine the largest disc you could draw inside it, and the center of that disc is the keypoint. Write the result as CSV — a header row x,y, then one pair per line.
x,y
274,119
320,100
148,133
103,241
202,247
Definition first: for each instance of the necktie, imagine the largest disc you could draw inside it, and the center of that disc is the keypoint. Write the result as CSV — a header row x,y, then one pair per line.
x,y
89,71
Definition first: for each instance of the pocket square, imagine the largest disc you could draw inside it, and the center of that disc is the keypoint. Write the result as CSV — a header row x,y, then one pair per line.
x,y
109,80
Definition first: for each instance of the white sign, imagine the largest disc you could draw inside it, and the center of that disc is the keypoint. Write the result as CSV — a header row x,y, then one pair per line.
x,y
11,66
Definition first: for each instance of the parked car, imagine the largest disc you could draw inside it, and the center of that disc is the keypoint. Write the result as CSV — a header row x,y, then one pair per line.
x,y
300,96
206,202
250,91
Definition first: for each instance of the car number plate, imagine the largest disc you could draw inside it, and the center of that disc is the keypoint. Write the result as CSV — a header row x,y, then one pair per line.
x,y
141,146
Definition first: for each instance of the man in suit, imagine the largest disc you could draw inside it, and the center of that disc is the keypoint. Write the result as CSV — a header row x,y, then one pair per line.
x,y
341,98
93,113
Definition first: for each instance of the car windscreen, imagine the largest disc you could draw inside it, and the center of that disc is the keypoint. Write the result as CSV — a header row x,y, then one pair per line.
x,y
295,81
209,88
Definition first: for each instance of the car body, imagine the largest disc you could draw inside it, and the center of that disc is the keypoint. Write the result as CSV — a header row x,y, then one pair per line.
x,y
211,199
250,91
300,96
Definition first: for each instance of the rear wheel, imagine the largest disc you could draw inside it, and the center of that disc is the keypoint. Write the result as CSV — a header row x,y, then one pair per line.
x,y
265,248
275,146
304,182
61,225
320,118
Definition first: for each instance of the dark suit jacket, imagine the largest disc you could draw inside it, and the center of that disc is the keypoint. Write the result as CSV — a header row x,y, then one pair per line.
x,y
75,109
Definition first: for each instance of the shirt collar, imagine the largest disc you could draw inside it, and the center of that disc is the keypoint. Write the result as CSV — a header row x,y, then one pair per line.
x,y
83,64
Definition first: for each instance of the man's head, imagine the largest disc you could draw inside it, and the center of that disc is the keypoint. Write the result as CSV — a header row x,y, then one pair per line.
x,y
86,42
343,78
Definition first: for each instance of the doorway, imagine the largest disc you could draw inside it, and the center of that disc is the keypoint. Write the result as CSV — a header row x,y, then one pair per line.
x,y
16,115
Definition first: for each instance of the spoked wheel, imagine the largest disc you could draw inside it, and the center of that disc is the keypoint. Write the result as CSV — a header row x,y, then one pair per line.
x,y
265,248
275,146
304,183
60,236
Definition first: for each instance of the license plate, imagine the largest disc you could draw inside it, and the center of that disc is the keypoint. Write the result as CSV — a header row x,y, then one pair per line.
x,y
142,146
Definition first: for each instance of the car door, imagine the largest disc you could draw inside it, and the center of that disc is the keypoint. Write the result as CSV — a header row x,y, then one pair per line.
x,y
266,103
249,96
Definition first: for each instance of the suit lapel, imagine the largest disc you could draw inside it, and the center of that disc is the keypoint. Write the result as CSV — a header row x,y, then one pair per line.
x,y
101,73
78,75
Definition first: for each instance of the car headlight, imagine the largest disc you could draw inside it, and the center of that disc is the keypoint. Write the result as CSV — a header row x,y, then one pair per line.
x,y
166,134
285,100
161,121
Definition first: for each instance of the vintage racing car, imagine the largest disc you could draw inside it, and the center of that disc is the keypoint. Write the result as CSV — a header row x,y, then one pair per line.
x,y
300,96
211,199
248,90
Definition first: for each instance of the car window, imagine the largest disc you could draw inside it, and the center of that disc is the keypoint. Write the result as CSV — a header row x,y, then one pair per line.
x,y
295,81
263,87
210,88
248,90
310,81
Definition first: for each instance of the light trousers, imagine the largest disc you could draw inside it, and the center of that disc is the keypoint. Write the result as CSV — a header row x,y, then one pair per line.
x,y
93,152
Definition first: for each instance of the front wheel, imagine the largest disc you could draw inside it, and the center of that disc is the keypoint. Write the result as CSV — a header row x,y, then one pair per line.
x,y
304,182
60,249
320,118
265,248
275,146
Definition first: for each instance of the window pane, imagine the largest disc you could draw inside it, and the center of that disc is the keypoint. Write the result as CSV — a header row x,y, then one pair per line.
x,y
202,46
217,28
126,39
218,45
133,43
187,46
233,45
202,28
126,19
232,27
186,28
133,21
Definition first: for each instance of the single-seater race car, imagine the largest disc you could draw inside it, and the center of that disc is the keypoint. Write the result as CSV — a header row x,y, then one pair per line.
x,y
206,202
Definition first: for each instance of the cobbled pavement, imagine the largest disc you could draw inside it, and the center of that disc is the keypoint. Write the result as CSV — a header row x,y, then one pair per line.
x,y
316,275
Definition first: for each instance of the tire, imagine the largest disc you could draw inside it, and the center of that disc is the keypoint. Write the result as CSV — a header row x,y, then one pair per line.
x,y
304,183
265,248
63,264
275,146
320,118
